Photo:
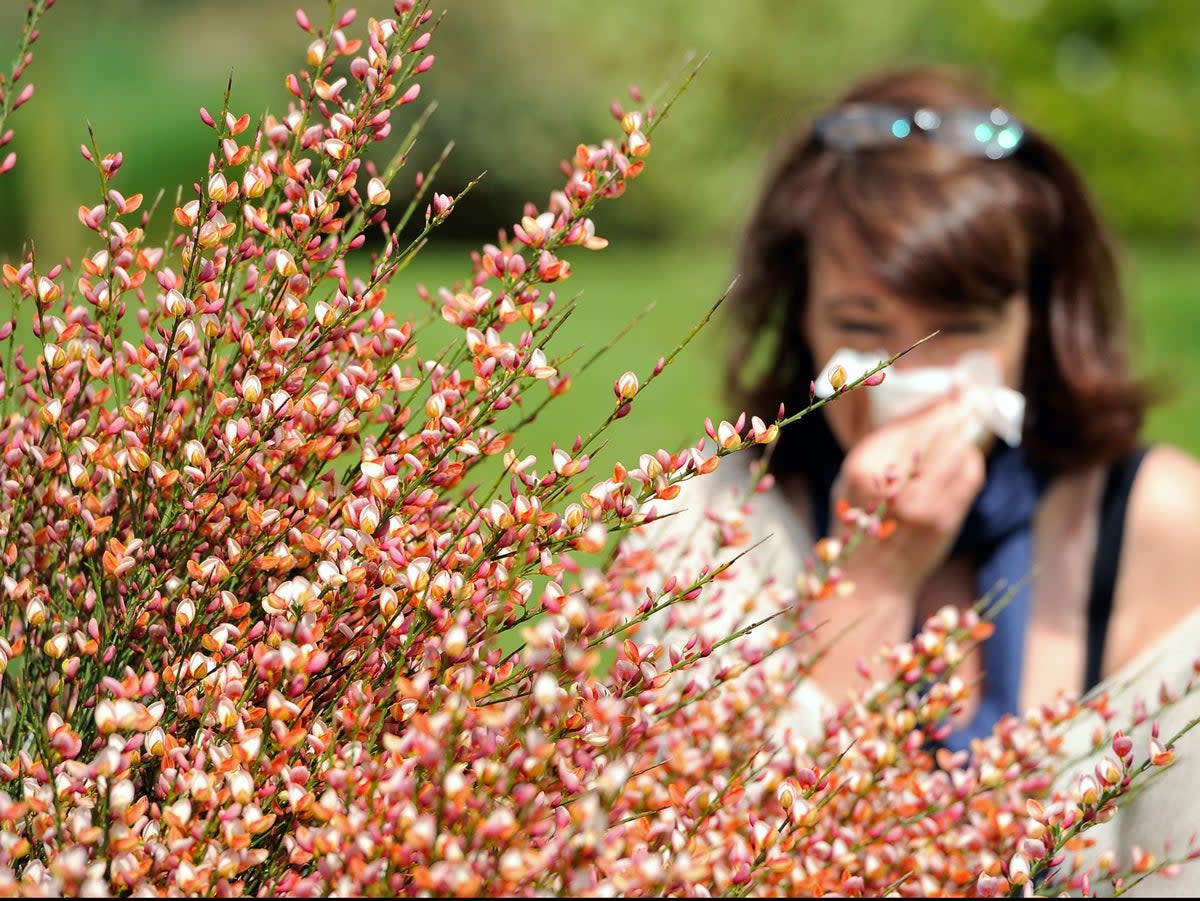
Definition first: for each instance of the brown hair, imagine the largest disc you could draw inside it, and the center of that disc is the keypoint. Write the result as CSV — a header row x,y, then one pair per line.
x,y
951,228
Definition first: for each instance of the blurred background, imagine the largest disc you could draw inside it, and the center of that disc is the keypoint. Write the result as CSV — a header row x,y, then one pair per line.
x,y
518,83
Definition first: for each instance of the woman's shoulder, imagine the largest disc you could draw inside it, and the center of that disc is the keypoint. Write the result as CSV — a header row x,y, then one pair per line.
x,y
1158,585
1168,481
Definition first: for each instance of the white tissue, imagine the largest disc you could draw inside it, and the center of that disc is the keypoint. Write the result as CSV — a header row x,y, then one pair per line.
x,y
989,404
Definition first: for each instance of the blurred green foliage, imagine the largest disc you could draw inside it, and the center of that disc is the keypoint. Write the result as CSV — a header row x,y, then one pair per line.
x,y
1115,81
519,82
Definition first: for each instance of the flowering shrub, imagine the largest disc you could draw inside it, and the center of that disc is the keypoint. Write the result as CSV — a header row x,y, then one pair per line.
x,y
263,633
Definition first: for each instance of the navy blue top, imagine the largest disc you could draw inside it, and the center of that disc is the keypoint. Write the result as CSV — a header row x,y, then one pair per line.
x,y
997,536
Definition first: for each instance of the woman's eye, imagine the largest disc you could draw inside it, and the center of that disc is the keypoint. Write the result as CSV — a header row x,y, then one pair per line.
x,y
963,328
859,327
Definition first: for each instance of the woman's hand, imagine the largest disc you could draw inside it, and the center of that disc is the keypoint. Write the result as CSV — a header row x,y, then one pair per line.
x,y
930,468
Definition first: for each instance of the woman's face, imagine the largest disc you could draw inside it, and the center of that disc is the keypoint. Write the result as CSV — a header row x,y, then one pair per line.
x,y
849,308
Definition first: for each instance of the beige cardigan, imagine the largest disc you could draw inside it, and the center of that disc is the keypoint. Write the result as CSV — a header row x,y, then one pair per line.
x,y
1169,806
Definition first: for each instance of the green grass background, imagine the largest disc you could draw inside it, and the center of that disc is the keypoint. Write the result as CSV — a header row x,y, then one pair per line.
x,y
520,82
682,282
138,69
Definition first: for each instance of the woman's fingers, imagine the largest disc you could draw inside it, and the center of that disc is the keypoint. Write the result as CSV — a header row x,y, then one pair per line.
x,y
937,470
940,491
933,443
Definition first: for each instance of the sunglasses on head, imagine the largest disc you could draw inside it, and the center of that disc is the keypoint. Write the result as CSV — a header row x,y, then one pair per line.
x,y
975,132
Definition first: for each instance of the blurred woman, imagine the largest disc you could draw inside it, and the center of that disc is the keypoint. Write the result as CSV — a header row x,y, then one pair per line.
x,y
1007,447
918,204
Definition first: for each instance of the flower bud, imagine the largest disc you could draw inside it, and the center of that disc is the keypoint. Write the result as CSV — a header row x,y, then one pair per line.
x,y
324,314
254,184
105,716
218,187
837,378
546,692
186,215
876,379
50,411
1087,790
316,53
1109,772
48,291
175,304
626,386
786,795
1159,755
252,391
227,714
35,612
56,357
1018,869
121,795
455,642
156,742
827,550
727,435
368,520
388,602
241,786
193,452
139,460
285,265
1122,745
336,148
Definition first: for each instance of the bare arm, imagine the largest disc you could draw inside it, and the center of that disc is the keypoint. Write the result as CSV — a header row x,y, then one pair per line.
x,y
928,507
1159,579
